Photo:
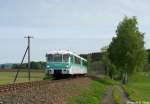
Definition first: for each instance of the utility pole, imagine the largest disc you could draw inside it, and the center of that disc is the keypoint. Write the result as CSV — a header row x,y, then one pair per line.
x,y
29,37
28,49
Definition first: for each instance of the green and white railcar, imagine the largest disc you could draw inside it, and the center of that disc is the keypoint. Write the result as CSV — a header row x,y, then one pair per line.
x,y
65,63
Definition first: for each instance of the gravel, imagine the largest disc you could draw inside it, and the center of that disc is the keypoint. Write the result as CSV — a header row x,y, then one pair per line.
x,y
53,93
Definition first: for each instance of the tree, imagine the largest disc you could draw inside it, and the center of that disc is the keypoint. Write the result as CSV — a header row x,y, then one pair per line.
x,y
89,63
105,59
126,51
147,68
3,66
34,65
108,66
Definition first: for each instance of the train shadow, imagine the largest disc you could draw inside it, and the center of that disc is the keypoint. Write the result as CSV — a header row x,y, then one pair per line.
x,y
60,76
67,76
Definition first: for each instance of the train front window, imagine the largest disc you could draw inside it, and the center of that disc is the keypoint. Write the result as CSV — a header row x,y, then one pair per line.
x,y
57,58
50,58
54,58
65,58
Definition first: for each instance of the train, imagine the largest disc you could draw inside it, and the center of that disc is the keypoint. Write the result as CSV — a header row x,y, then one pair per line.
x,y
65,63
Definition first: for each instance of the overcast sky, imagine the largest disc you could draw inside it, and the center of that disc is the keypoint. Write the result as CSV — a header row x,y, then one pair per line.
x,y
82,26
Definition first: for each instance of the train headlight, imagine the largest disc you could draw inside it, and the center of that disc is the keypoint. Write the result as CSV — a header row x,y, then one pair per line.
x,y
65,71
67,66
47,66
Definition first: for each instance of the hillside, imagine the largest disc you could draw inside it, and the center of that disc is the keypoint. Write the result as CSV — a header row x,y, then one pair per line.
x,y
96,56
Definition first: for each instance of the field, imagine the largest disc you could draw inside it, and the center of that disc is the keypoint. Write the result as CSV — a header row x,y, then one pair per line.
x,y
8,77
140,83
76,91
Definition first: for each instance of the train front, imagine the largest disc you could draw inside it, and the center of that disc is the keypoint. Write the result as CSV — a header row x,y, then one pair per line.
x,y
58,64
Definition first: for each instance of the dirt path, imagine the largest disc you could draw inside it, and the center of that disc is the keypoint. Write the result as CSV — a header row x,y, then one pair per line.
x,y
107,98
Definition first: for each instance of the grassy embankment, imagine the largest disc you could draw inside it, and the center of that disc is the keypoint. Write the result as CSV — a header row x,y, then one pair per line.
x,y
138,88
8,77
92,94
117,95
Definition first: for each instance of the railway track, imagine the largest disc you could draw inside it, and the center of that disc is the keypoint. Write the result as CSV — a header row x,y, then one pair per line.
x,y
4,89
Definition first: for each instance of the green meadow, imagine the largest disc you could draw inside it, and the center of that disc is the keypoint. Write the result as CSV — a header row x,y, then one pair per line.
x,y
140,83
8,77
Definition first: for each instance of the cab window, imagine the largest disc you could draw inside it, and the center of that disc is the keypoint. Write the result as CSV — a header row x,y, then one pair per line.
x,y
50,58
84,63
65,58
77,60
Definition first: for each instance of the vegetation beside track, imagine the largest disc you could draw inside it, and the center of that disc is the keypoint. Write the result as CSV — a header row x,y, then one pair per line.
x,y
90,95
131,93
93,93
138,88
8,77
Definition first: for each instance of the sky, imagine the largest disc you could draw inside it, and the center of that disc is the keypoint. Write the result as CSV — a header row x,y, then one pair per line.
x,y
82,26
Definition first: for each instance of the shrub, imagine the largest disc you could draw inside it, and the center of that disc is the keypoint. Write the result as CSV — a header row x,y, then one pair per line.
x,y
47,76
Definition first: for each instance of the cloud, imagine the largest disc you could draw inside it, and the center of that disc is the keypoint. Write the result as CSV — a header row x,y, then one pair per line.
x,y
69,19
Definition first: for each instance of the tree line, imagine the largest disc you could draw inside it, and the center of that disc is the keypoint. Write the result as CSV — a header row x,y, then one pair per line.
x,y
97,56
33,65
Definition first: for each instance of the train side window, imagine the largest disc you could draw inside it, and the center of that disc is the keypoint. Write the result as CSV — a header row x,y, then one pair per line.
x,y
72,59
65,58
77,60
84,63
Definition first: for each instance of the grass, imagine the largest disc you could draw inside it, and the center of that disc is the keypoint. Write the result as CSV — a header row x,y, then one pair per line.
x,y
138,88
8,77
132,94
92,94
117,96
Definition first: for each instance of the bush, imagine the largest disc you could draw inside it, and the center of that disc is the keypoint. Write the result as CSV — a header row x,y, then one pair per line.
x,y
47,76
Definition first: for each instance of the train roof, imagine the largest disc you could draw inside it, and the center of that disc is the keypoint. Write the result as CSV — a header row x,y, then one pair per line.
x,y
68,52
